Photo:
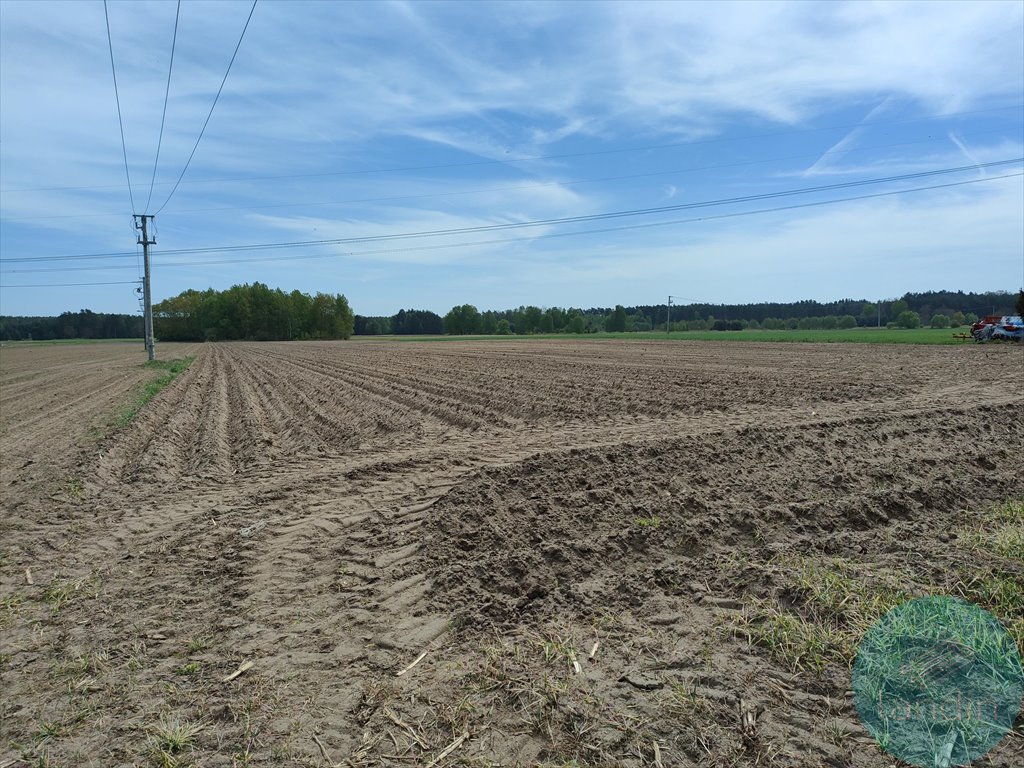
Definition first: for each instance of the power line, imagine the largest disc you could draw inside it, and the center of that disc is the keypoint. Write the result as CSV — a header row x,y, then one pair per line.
x,y
91,268
124,255
117,98
569,182
547,236
64,285
510,160
605,230
600,216
212,107
545,222
163,118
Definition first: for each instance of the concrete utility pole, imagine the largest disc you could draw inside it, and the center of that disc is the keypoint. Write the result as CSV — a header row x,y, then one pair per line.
x,y
668,313
142,220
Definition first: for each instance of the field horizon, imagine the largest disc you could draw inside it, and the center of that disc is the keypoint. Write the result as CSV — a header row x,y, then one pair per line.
x,y
943,336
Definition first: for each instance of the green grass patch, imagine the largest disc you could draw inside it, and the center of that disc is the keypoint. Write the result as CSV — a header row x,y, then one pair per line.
x,y
796,641
999,592
169,371
845,336
191,668
59,592
830,607
997,586
826,605
1001,532
170,737
65,342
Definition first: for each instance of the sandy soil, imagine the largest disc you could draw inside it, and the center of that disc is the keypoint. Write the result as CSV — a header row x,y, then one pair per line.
x,y
582,538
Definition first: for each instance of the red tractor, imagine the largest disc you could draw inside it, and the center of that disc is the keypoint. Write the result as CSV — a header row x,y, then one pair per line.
x,y
998,328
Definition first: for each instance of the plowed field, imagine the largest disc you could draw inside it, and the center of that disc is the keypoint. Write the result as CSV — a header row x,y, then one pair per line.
x,y
597,553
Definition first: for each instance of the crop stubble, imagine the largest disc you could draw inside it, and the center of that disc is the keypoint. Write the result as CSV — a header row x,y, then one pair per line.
x,y
329,511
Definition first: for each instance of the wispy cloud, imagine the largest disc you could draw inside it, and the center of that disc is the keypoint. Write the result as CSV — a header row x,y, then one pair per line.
x,y
962,146
826,163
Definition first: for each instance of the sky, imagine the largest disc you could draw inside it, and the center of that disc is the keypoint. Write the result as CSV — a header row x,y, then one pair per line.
x,y
364,121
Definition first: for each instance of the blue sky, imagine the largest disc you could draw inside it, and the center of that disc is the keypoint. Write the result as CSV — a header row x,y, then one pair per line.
x,y
343,120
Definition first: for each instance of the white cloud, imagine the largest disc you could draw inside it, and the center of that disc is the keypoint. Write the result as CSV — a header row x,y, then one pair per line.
x,y
321,87
962,146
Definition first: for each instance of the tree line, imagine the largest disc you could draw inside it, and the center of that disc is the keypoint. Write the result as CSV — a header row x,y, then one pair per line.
x,y
252,312
941,309
258,312
83,324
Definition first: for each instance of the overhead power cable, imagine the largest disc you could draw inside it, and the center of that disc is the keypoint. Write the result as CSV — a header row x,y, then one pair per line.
x,y
64,285
547,236
92,268
519,187
546,222
601,216
532,158
212,107
163,117
125,255
605,230
117,98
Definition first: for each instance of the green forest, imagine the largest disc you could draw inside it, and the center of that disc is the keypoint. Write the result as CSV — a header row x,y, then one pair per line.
x,y
257,312
252,312
83,324
940,309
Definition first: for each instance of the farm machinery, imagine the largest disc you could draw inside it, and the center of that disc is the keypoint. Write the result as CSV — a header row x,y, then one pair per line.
x,y
998,328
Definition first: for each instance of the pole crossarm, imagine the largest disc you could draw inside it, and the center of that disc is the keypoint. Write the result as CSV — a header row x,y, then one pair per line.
x,y
142,221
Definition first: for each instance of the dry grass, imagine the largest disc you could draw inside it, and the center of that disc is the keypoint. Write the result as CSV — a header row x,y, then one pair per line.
x,y
828,603
169,738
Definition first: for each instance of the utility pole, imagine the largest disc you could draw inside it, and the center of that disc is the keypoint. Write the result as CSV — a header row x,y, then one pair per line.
x,y
141,222
668,316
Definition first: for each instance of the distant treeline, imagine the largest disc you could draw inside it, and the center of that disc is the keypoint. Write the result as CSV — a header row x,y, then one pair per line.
x,y
940,308
407,322
260,313
253,312
83,324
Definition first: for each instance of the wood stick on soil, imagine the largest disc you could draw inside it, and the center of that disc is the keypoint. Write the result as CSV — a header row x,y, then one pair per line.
x,y
404,726
28,577
748,719
657,755
449,749
593,651
393,738
245,665
323,750
575,664
418,660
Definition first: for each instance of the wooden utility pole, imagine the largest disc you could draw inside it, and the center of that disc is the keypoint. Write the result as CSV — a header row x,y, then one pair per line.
x,y
668,316
142,221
